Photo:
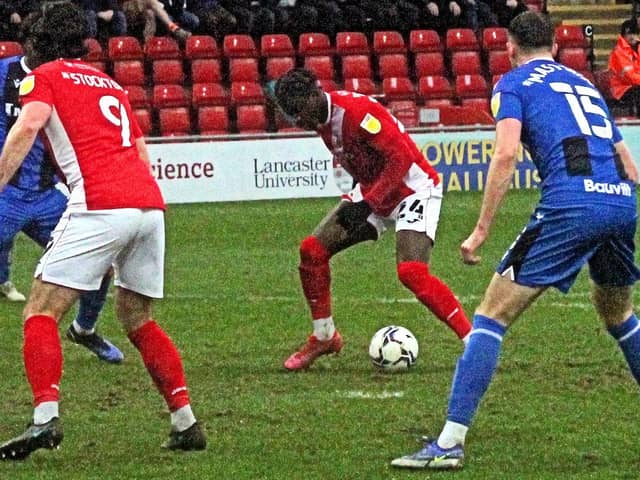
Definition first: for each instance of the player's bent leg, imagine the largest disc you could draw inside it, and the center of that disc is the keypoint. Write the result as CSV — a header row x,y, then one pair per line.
x,y
162,360
615,307
43,364
82,330
503,303
316,251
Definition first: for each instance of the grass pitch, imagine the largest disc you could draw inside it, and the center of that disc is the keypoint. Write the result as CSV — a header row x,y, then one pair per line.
x,y
562,406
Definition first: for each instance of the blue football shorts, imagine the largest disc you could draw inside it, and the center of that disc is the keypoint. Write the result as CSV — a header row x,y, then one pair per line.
x,y
557,242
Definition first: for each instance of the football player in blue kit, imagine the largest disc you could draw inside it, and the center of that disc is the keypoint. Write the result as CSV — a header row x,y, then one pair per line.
x,y
586,215
33,203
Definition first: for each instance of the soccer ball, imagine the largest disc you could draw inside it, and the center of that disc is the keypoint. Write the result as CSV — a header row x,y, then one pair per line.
x,y
393,349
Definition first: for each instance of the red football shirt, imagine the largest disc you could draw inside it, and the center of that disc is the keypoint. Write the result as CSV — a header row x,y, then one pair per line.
x,y
92,134
372,145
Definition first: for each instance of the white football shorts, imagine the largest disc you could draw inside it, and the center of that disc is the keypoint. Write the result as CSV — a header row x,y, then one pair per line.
x,y
419,211
84,245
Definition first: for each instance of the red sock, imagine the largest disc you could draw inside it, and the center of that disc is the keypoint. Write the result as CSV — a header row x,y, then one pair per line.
x,y
315,276
435,295
42,355
163,363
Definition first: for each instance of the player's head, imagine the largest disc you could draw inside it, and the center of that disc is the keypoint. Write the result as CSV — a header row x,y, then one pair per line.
x,y
57,30
530,33
629,30
301,99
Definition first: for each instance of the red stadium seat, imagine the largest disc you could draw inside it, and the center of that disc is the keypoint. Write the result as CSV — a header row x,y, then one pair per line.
x,y
206,70
476,103
251,118
137,95
310,44
471,86
102,66
495,79
387,42
405,111
169,96
321,66
167,71
213,120
162,48
243,70
206,94
460,39
499,62
10,49
247,93
393,65
328,85
356,66
276,45
398,88
570,36
124,48
128,72
174,122
465,63
352,43
201,46
455,115
422,41
575,58
143,117
239,46
96,54
365,86
602,81
435,87
277,66
588,74
494,38
429,63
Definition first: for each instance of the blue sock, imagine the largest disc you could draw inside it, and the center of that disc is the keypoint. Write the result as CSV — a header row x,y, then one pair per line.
x,y
628,336
91,304
475,369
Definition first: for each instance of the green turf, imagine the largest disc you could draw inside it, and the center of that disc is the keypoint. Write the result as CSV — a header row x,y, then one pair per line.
x,y
562,405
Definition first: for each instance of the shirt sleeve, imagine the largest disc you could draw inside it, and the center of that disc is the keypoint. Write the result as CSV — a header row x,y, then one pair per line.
x,y
506,104
36,87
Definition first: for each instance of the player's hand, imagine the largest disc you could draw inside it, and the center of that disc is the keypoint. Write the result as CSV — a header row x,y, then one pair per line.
x,y
470,245
351,215
181,34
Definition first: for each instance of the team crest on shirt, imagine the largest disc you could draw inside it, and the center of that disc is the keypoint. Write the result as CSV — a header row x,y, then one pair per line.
x,y
495,103
27,85
371,124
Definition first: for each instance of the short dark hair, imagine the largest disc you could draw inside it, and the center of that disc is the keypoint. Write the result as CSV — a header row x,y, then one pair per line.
x,y
58,30
532,31
293,89
629,27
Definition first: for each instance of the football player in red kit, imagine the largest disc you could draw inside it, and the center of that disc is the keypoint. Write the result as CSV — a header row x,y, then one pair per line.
x,y
394,182
114,216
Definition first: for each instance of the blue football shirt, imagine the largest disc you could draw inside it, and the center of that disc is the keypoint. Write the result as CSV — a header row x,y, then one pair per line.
x,y
569,132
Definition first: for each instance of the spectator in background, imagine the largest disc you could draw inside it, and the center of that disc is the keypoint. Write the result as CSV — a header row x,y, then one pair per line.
x,y
12,13
479,15
141,18
624,63
104,17
177,10
252,17
507,10
214,19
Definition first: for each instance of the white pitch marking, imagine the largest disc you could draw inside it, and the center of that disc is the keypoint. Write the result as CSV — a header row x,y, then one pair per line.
x,y
369,395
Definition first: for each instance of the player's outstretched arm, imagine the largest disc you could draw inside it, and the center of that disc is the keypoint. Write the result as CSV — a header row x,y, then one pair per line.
x,y
33,117
627,160
501,168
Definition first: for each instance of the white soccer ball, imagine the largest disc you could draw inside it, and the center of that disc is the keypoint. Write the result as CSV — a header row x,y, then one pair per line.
x,y
393,349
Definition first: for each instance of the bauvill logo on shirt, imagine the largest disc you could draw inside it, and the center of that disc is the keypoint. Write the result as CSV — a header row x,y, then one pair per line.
x,y
609,188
